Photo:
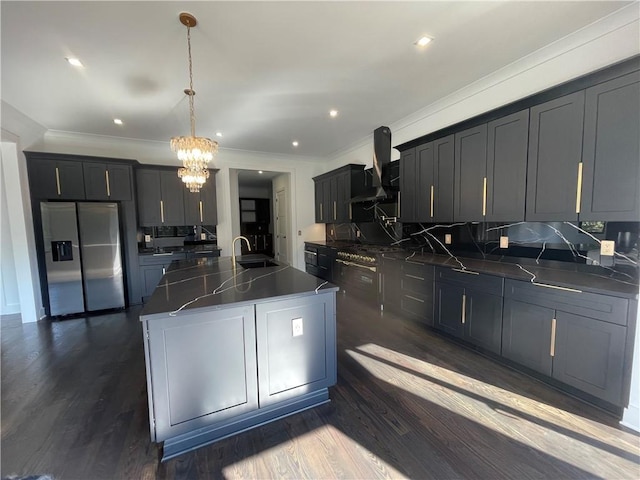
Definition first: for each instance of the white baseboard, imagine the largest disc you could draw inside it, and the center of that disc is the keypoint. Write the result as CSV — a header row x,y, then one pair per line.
x,y
631,417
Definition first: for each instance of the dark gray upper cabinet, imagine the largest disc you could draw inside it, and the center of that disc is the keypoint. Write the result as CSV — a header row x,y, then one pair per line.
x,y
555,154
407,202
611,152
424,185
104,181
470,174
333,192
507,167
56,179
443,164
426,182
160,197
200,208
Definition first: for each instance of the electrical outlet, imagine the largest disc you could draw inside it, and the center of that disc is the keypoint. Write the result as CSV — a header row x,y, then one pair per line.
x,y
607,248
447,239
203,236
147,238
357,233
504,242
296,327
299,233
331,232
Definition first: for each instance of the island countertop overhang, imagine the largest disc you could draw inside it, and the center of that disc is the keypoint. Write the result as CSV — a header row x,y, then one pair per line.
x,y
219,283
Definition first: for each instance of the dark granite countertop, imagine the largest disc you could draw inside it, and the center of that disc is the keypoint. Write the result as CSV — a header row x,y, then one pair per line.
x,y
568,275
215,283
179,249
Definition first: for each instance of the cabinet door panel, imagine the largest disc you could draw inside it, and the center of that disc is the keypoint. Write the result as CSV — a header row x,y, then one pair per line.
x,y
120,182
290,365
448,309
555,150
343,195
407,193
191,207
589,355
483,321
209,201
71,180
150,275
95,181
443,157
42,179
470,171
149,197
507,167
319,197
204,369
425,183
327,206
526,335
172,198
611,186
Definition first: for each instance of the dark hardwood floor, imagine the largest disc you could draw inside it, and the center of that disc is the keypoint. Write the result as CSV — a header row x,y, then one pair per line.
x,y
408,403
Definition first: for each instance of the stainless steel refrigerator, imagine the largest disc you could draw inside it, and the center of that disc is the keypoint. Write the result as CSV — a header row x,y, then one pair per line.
x,y
82,256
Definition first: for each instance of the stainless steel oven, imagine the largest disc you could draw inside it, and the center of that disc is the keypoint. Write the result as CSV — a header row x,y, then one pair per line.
x,y
357,275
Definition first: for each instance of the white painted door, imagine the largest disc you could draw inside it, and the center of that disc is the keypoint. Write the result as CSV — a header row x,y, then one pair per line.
x,y
282,250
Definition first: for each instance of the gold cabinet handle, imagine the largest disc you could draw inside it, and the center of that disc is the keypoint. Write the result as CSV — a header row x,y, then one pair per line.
x,y
552,350
484,197
431,210
162,211
58,181
335,209
579,188
415,277
464,308
201,210
399,215
321,216
350,211
106,176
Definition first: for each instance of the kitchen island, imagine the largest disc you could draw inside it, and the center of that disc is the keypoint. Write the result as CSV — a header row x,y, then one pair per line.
x,y
233,345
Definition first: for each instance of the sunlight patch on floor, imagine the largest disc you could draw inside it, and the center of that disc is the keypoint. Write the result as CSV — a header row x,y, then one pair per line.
x,y
325,446
522,419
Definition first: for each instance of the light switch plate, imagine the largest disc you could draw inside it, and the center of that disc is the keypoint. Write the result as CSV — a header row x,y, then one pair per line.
x,y
504,242
447,239
147,238
607,248
296,327
203,236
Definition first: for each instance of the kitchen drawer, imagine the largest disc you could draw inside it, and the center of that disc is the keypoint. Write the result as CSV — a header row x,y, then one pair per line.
x,y
326,257
593,305
418,306
417,278
467,278
160,258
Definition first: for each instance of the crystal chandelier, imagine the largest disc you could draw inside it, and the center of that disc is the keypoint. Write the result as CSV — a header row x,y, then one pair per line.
x,y
195,153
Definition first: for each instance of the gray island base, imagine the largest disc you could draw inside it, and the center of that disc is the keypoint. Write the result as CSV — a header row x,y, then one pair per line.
x,y
229,348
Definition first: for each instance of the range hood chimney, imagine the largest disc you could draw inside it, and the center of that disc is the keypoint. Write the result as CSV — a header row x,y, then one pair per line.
x,y
381,158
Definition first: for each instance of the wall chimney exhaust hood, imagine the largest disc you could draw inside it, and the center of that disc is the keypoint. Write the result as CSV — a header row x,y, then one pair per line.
x,y
381,188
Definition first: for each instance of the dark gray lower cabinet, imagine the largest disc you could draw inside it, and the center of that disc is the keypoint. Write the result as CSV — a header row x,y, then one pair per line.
x,y
526,335
213,372
469,306
152,269
191,357
579,339
407,288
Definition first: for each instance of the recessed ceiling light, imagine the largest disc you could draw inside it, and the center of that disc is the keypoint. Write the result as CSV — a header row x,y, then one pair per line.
x,y
74,61
117,121
333,113
295,143
260,172
218,134
423,41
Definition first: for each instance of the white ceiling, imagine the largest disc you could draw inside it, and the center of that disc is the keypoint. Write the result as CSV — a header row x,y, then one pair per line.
x,y
265,73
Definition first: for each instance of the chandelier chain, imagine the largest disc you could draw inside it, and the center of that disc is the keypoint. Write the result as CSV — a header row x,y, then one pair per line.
x,y
192,115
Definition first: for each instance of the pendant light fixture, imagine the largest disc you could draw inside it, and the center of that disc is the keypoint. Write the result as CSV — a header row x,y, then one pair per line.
x,y
195,153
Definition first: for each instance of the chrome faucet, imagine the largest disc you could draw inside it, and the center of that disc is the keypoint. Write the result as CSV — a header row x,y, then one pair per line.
x,y
233,247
